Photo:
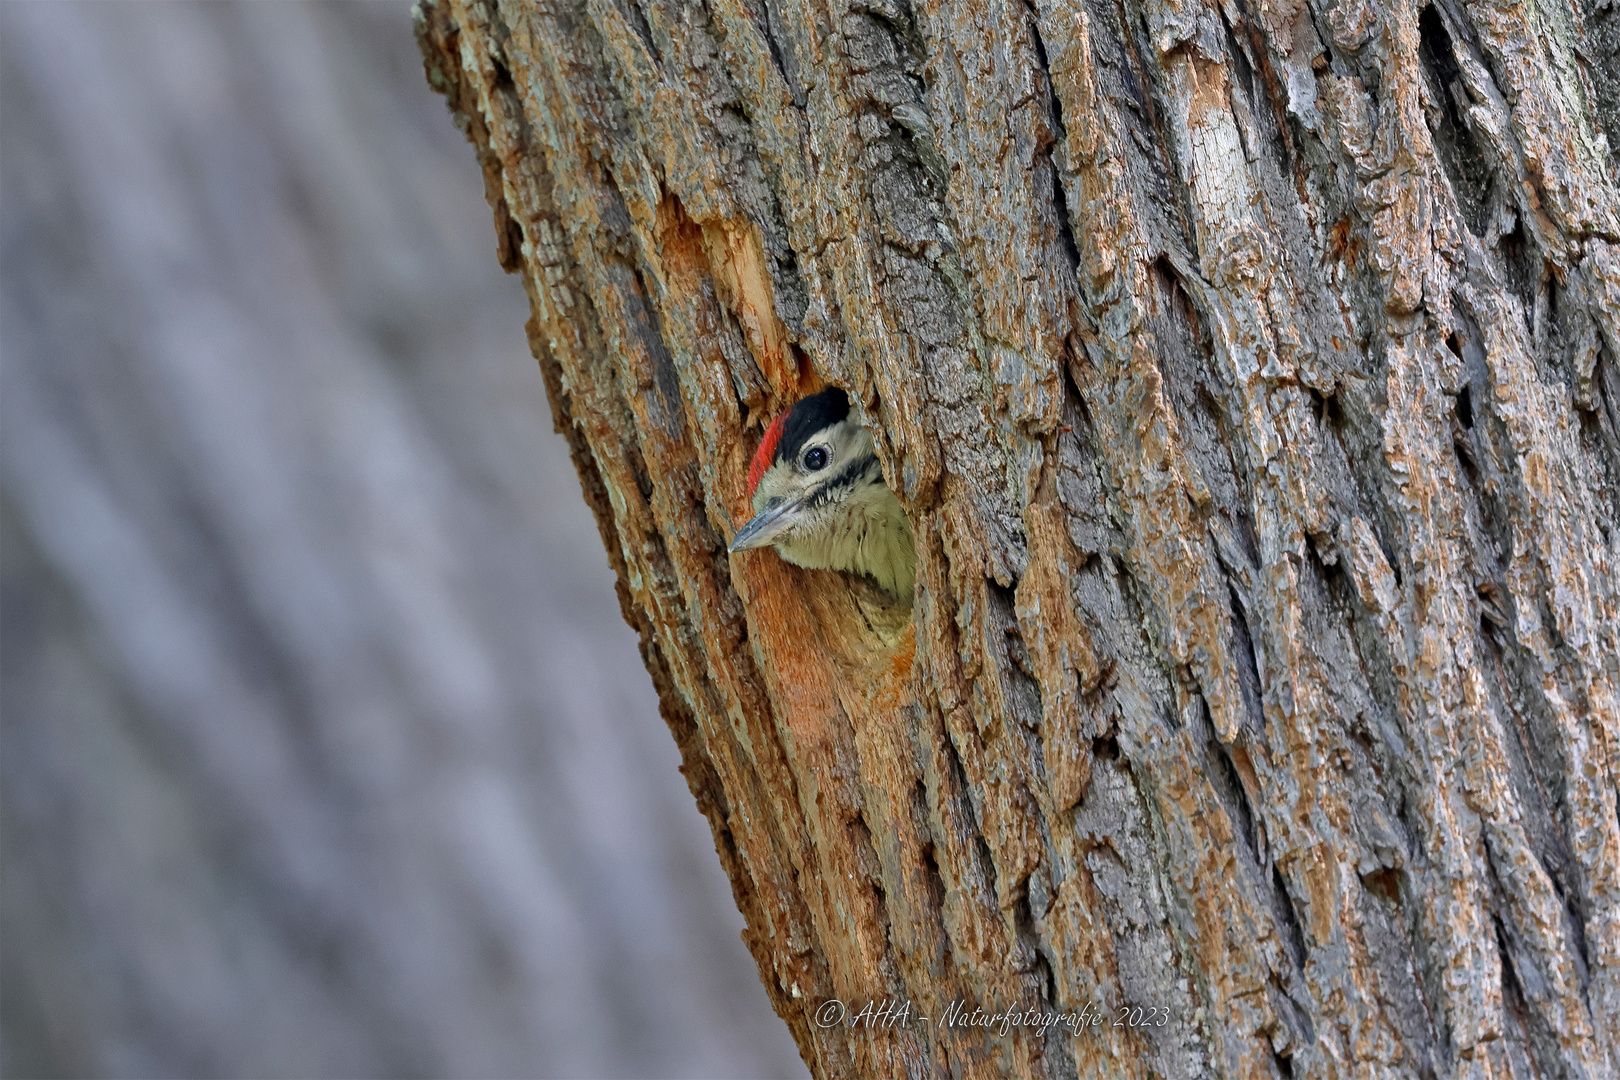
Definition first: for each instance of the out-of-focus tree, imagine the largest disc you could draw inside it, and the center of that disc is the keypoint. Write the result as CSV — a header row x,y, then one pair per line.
x,y
324,752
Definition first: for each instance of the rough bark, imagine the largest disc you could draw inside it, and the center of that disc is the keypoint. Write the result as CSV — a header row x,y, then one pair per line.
x,y
1249,374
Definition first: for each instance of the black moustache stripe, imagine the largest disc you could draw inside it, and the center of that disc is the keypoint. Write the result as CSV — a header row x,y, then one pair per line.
x,y
863,470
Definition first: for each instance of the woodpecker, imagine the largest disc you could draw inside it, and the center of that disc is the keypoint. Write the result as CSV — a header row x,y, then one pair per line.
x,y
820,500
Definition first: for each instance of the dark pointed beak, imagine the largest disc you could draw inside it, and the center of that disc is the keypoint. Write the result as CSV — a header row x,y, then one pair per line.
x,y
766,525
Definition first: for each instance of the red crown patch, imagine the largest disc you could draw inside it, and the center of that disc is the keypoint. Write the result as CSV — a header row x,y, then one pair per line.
x,y
766,453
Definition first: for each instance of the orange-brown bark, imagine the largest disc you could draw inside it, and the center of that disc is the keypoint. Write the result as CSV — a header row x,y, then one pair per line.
x,y
1250,377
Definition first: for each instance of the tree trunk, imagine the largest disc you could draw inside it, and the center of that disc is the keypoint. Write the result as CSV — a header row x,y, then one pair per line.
x,y
1250,377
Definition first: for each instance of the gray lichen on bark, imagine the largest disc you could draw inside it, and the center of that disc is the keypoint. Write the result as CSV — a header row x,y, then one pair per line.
x,y
1249,374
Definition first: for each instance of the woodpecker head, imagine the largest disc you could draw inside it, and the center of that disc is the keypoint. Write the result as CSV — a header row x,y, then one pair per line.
x,y
820,500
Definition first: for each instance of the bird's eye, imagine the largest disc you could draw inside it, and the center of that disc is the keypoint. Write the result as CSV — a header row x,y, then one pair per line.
x,y
815,459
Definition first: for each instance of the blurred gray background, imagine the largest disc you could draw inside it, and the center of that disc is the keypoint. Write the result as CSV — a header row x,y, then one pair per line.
x,y
325,750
